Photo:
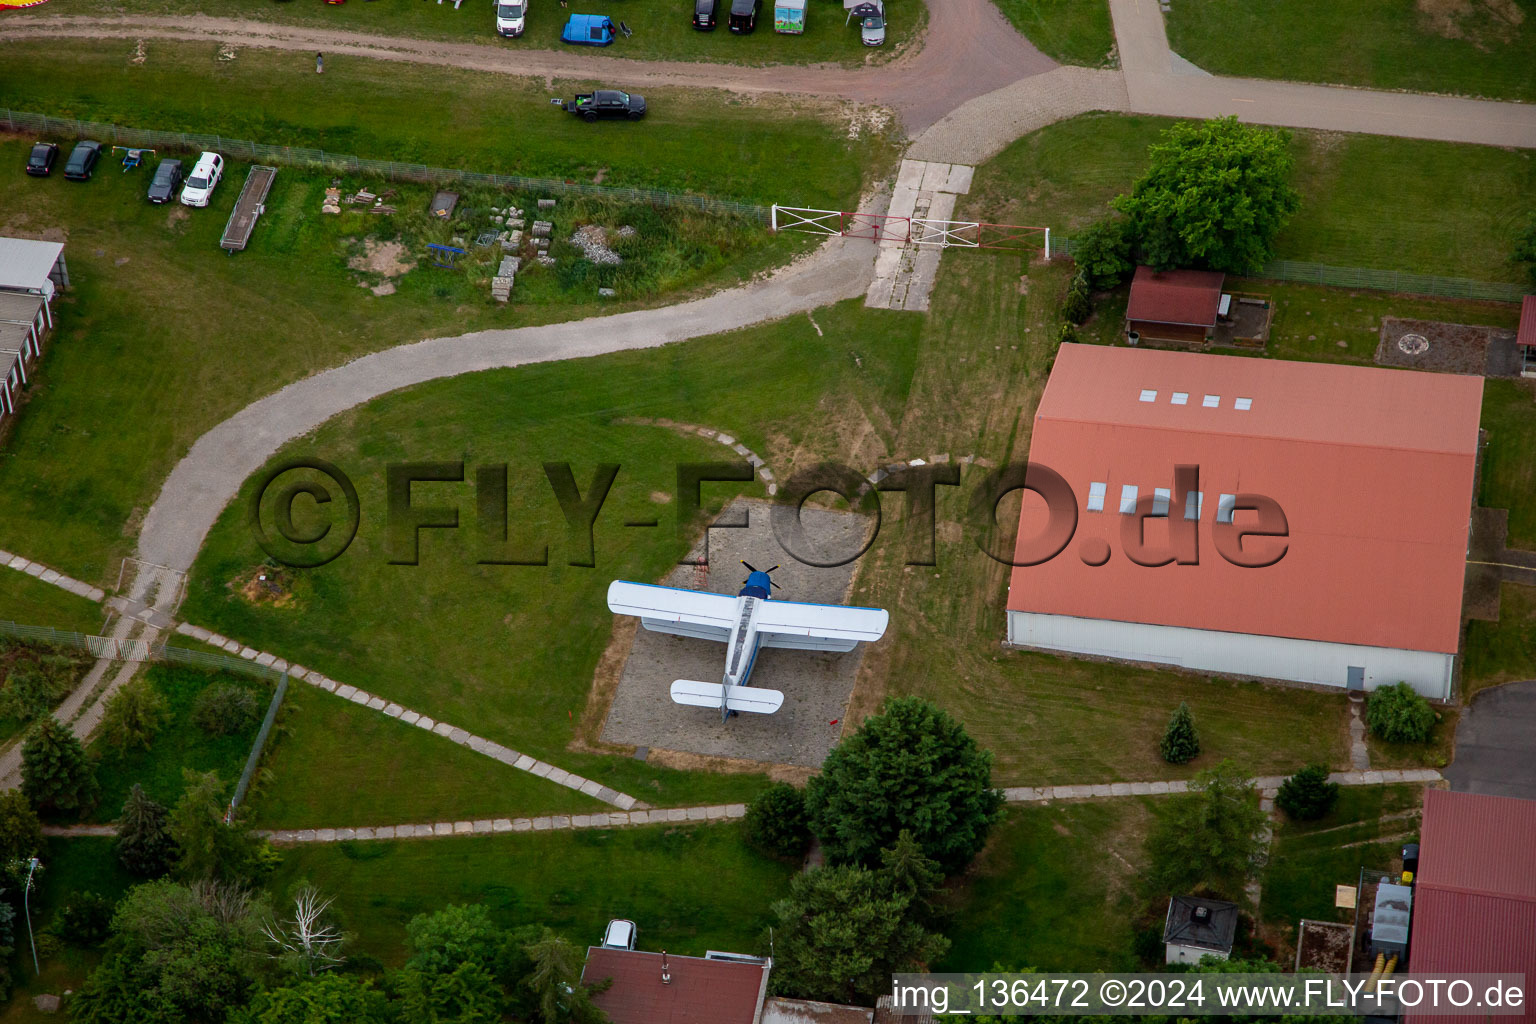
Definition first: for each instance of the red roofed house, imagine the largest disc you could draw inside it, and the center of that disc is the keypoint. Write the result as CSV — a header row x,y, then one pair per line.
x,y
1474,905
1174,305
659,988
1373,469
1525,338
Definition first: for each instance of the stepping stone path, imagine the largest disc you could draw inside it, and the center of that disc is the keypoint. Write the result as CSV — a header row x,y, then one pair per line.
x,y
53,576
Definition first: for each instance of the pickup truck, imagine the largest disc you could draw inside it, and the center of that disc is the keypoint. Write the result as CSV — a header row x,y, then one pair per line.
x,y
589,106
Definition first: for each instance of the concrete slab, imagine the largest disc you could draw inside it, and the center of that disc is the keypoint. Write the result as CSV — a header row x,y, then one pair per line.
x,y
816,685
911,174
935,177
959,182
1496,743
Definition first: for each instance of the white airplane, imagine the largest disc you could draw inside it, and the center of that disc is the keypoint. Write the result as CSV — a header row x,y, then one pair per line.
x,y
745,623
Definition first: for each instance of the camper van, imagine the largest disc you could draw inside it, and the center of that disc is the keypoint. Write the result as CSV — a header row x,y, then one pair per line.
x,y
789,16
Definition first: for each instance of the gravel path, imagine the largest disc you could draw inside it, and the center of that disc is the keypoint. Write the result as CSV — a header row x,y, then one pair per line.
x,y
967,50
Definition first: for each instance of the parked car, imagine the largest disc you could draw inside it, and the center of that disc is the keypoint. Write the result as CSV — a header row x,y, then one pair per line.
x,y
704,15
588,30
42,158
203,179
511,17
872,29
620,934
82,161
744,15
589,106
166,182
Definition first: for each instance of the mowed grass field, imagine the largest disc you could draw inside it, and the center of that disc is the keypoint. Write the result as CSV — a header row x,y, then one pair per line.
x,y
29,601
1071,31
1366,201
1446,46
662,30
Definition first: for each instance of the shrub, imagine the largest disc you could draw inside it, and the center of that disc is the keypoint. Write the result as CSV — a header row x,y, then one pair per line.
x,y
776,822
1180,743
84,918
1525,248
1078,305
1103,253
21,835
1397,713
225,708
1215,836
134,715
1308,795
33,687
1067,335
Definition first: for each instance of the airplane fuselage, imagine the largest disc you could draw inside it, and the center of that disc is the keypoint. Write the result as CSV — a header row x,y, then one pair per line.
x,y
742,645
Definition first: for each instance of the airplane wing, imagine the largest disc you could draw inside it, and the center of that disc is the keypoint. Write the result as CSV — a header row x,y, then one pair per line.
x,y
673,610
818,627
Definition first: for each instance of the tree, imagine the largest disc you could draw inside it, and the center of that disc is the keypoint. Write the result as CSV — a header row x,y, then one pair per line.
x,y
1102,253
1399,714
56,775
1216,194
910,767
328,999
457,970
21,834
1525,248
1180,743
144,844
555,980
1078,305
207,848
1214,836
776,822
134,715
307,940
84,919
1308,795
843,931
223,709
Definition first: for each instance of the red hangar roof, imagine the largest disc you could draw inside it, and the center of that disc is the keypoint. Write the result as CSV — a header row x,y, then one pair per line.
x,y
1527,334
1372,467
1175,296
1474,904
700,991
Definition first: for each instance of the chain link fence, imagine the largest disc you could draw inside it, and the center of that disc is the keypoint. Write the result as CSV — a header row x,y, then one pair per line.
x,y
136,650
25,123
1364,277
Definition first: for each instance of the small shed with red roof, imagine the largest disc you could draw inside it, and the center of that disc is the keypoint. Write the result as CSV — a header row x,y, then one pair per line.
x,y
1179,306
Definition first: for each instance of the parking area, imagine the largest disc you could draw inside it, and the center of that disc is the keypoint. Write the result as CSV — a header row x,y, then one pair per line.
x,y
1496,743
816,686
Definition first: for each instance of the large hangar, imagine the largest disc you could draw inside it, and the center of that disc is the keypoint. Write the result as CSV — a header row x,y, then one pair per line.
x,y
1373,470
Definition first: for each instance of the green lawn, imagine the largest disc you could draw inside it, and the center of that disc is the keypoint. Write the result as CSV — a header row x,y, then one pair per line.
x,y
1503,651
1509,475
662,31
1071,31
1481,49
1055,889
1367,828
1456,214
179,745
688,888
31,602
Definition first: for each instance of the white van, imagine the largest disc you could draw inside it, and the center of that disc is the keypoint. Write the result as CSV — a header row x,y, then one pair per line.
x,y
511,17
201,182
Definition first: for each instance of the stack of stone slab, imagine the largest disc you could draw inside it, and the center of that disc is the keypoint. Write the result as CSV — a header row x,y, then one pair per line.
x,y
501,284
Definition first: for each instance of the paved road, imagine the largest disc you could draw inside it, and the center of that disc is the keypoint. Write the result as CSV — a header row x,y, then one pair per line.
x,y
1494,742
208,477
968,50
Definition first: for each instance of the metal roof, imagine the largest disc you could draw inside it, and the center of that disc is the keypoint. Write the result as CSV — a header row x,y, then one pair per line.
x,y
700,991
19,307
25,264
1527,334
1175,296
1184,928
1372,467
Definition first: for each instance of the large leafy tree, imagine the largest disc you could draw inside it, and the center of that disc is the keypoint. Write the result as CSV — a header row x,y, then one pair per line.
x,y
1216,195
458,967
843,931
911,767
207,847
328,999
21,834
134,715
144,844
1214,836
56,774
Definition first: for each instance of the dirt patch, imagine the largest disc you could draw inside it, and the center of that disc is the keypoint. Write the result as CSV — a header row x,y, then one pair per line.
x,y
683,761
661,497
271,586
384,258
1483,23
1447,348
867,120
383,288
177,217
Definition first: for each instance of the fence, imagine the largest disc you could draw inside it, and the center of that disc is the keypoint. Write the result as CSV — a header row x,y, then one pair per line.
x,y
1378,280
23,122
257,747
136,650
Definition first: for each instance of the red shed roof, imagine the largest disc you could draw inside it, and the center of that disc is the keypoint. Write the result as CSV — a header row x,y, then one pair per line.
x,y
700,991
1175,296
1475,899
1527,334
1372,467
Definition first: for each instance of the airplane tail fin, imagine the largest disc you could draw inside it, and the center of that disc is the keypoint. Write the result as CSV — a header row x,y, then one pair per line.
x,y
712,695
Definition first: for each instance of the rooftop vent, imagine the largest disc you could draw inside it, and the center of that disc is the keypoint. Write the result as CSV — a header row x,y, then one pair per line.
x,y
1201,915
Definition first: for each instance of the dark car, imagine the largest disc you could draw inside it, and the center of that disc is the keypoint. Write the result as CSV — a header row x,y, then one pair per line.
x,y
590,106
44,155
744,15
82,161
166,183
704,14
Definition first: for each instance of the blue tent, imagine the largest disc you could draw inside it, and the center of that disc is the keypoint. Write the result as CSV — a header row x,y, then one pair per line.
x,y
588,30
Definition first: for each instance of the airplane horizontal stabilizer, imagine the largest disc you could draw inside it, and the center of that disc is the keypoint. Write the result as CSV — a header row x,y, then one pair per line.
x,y
743,698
